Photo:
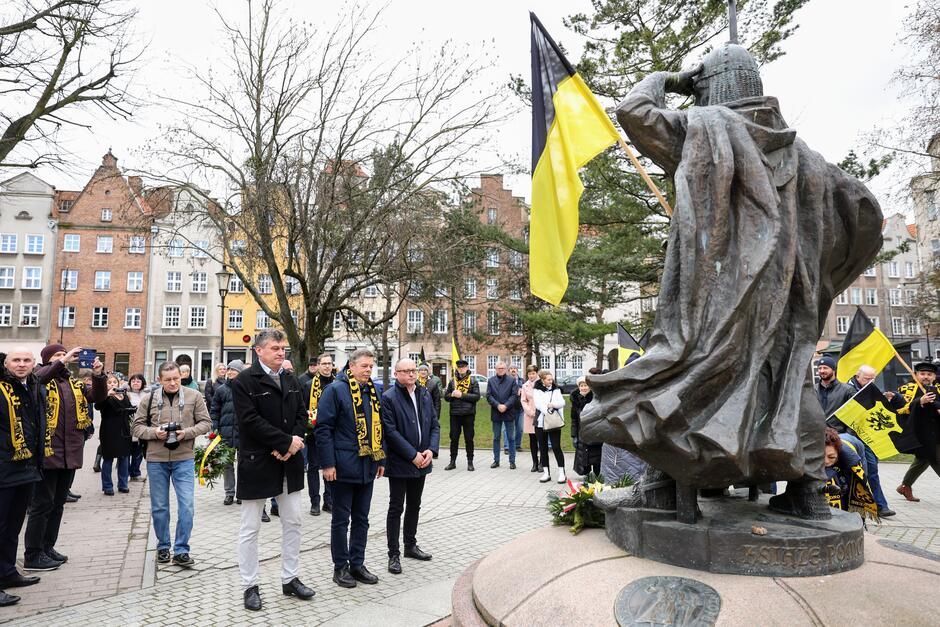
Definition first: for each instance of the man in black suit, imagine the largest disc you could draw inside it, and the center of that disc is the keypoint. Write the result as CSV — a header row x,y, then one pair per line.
x,y
272,420
313,388
412,436
351,447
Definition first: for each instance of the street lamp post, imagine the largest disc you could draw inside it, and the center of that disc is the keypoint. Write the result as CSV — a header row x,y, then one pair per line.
x,y
222,277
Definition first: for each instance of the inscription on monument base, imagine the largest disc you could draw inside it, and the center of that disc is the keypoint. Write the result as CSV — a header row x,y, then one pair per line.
x,y
832,556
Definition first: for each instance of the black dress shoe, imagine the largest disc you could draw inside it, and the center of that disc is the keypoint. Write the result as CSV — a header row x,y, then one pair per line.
x,y
109,492
8,599
343,579
252,599
512,465
264,516
75,496
228,500
238,501
71,499
18,581
494,465
296,589
470,466
124,490
362,574
314,510
57,556
416,553
450,466
327,507
394,565
275,511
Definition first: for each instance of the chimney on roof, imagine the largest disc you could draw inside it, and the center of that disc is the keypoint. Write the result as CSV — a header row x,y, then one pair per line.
x,y
136,184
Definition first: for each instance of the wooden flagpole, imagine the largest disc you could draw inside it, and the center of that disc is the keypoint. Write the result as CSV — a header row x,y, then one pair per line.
x,y
646,177
913,376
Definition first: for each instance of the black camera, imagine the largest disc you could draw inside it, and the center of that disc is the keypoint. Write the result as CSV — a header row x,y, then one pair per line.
x,y
171,428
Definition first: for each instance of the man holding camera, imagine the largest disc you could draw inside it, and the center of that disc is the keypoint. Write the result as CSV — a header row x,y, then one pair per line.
x,y
272,420
68,425
168,420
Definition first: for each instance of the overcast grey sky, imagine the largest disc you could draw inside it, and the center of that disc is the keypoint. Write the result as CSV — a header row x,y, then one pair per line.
x,y
833,83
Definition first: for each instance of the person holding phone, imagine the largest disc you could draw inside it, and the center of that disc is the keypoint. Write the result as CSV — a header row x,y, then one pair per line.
x,y
115,436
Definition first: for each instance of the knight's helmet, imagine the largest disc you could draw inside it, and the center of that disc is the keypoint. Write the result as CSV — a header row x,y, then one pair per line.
x,y
728,73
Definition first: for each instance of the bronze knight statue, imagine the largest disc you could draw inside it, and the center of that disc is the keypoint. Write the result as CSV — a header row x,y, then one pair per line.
x,y
765,233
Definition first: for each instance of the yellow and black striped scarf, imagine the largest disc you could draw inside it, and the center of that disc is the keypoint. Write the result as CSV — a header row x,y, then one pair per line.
x,y
52,409
374,425
20,450
462,384
859,498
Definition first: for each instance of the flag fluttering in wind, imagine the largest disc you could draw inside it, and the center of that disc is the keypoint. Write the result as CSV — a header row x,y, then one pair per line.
x,y
627,346
870,416
454,356
569,128
864,345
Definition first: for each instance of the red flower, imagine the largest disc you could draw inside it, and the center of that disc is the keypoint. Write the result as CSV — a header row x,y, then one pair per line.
x,y
211,435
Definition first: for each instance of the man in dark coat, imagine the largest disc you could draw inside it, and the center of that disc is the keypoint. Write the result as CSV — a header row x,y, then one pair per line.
x,y
272,420
21,454
765,233
831,392
924,422
68,404
312,388
502,393
412,434
463,394
312,368
351,448
225,424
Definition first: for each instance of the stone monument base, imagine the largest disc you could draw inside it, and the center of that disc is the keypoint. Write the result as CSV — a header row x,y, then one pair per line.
x,y
551,577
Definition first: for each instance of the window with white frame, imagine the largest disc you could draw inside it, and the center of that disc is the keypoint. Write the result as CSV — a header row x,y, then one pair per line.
x,y
930,202
175,248
470,288
371,291
67,316
35,245
337,320
415,357
71,243
515,292
545,362
842,298
856,293
171,316
910,297
7,277
492,322
29,315
197,317
492,258
105,244
915,354
870,271
515,325
491,361
913,326
264,283
200,249
106,215
102,280
439,322
8,242
516,362
469,322
909,269
894,269
561,366
174,281
132,318
842,324
32,278
199,283
492,289
292,285
894,297
234,319
235,285
415,321
871,296
372,316
137,245
874,321
6,315
577,365
897,326
239,247
491,215
69,281
352,322
135,281
99,317
515,259
415,288
440,292
295,315
471,362
262,320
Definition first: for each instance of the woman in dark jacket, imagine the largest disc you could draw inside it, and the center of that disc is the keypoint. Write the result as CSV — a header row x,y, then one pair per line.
x,y
587,457
115,436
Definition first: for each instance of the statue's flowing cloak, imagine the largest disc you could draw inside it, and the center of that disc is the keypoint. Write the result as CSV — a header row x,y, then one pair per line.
x,y
765,233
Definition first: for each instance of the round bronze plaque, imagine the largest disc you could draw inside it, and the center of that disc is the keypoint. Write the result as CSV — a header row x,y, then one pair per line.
x,y
667,601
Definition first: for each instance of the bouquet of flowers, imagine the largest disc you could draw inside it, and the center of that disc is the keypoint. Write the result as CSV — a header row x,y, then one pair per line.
x,y
575,507
213,458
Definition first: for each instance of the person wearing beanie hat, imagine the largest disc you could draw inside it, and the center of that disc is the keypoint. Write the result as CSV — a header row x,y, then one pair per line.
x,y
70,402
831,392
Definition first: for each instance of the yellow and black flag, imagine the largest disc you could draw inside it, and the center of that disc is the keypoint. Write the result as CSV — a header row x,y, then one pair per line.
x,y
645,339
627,347
864,345
569,128
879,427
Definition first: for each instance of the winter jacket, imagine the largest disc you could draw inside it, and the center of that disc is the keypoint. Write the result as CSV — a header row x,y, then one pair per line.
x,y
32,412
68,441
337,443
187,408
403,438
528,406
833,397
502,390
547,400
222,412
115,430
434,387
466,405
211,386
578,403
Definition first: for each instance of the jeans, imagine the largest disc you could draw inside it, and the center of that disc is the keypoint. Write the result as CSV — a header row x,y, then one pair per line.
x,y
465,423
182,473
123,473
13,504
228,480
137,457
553,436
351,504
404,496
510,439
290,538
514,442
869,466
45,510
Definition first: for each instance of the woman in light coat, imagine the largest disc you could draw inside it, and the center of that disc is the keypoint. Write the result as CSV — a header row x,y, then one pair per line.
x,y
528,411
549,403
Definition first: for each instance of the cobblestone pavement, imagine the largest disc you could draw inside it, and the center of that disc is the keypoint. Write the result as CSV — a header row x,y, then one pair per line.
x,y
110,578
